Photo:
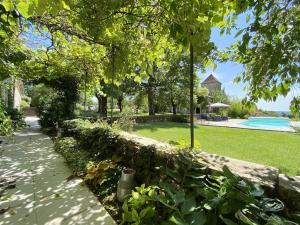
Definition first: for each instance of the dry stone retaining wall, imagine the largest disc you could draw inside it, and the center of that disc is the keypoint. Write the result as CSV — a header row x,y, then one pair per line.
x,y
283,186
145,155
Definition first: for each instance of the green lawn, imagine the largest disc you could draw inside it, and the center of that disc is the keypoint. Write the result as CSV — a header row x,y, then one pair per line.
x,y
278,149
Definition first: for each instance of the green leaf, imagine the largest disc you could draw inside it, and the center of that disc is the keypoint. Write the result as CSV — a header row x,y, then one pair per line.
x,y
179,197
189,205
147,212
227,221
239,33
23,9
198,218
175,218
135,215
248,18
8,5
228,173
242,217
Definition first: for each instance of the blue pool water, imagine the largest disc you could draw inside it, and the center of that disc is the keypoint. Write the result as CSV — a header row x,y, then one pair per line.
x,y
267,122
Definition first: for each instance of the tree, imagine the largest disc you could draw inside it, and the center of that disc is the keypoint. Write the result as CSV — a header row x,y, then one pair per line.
x,y
219,96
190,25
269,49
174,82
202,98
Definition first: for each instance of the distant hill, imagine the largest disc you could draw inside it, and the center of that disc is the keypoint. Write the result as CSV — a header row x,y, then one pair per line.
x,y
277,113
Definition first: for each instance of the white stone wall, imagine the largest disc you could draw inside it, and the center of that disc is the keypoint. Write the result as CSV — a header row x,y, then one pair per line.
x,y
18,91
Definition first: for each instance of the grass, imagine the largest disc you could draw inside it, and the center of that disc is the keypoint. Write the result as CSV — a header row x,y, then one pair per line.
x,y
278,149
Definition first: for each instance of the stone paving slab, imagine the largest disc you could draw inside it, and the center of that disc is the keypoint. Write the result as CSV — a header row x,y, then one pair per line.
x,y
43,195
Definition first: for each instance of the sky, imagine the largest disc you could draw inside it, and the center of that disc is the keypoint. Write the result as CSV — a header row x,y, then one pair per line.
x,y
225,72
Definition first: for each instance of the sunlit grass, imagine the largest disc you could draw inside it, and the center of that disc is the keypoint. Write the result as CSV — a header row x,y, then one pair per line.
x,y
278,149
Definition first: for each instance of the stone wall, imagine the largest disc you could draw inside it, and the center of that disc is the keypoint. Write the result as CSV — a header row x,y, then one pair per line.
x,y
145,155
276,184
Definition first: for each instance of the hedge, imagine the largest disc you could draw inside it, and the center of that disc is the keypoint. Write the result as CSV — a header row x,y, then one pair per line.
x,y
102,142
147,119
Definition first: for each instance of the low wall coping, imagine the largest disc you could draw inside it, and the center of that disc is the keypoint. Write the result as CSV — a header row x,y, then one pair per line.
x,y
266,176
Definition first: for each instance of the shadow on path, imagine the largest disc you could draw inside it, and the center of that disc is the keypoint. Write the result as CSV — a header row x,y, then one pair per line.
x,y
42,194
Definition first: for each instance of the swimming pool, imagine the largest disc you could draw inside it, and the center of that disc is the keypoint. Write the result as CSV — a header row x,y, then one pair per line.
x,y
267,122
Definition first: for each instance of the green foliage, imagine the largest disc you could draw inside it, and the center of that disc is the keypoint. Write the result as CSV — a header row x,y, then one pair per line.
x,y
13,55
191,195
37,92
96,172
56,100
135,210
138,39
239,110
269,49
186,188
17,117
74,157
220,96
173,85
125,121
100,175
10,119
184,143
25,102
50,111
6,124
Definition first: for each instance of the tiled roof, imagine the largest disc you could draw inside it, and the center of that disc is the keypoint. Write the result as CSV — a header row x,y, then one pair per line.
x,y
210,79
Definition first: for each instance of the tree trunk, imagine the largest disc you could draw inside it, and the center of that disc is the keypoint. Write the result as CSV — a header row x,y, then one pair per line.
x,y
174,107
102,105
120,105
99,102
151,104
85,91
103,111
192,94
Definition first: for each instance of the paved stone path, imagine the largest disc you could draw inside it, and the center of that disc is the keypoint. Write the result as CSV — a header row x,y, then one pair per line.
x,y
42,194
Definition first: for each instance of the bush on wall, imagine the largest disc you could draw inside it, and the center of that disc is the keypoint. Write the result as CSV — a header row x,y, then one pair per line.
x,y
6,124
10,120
239,110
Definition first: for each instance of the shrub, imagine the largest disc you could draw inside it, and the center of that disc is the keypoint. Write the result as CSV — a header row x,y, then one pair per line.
x,y
162,118
56,100
125,121
10,120
177,188
49,110
101,176
239,110
25,102
75,158
17,117
188,194
6,124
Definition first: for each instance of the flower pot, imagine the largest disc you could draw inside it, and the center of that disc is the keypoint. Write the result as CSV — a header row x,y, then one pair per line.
x,y
125,184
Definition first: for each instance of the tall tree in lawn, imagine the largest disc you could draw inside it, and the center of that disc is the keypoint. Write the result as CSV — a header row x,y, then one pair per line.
x,y
128,87
156,50
174,82
190,24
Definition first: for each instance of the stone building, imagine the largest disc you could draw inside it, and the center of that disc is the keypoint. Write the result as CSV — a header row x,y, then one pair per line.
x,y
212,84
11,93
